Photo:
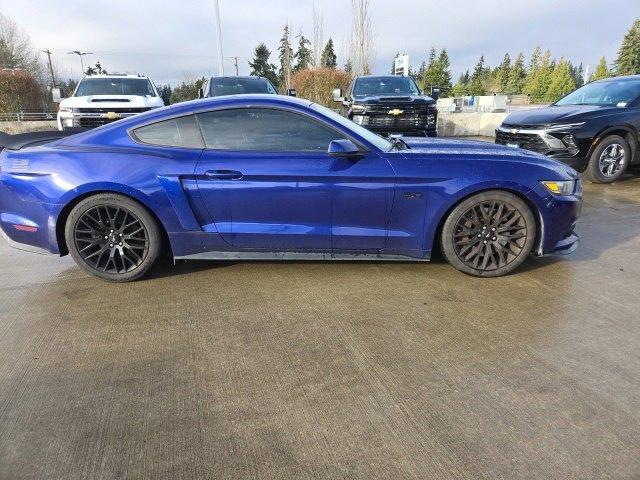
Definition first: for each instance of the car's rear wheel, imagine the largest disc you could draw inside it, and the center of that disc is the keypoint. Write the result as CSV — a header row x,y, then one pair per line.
x,y
608,160
113,237
489,234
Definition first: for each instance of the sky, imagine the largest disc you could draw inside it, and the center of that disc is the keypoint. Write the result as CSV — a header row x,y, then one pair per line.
x,y
175,40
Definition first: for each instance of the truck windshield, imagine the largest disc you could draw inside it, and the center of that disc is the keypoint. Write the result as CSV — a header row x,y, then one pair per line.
x,y
388,85
609,93
233,86
115,86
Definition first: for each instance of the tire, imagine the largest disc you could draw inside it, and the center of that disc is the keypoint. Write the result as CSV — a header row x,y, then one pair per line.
x,y
113,237
604,167
488,234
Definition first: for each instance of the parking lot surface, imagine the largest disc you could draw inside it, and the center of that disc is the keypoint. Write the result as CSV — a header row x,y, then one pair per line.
x,y
329,370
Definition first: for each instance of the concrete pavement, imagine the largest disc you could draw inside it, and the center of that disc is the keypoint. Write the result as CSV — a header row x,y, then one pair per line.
x,y
329,370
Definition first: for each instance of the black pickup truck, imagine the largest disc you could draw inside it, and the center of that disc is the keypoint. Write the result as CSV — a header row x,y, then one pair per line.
x,y
390,105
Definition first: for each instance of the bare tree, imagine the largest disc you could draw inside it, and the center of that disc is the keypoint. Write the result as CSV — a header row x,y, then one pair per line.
x,y
361,38
318,36
16,50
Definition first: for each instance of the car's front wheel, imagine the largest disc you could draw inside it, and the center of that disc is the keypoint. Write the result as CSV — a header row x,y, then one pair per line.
x,y
113,237
489,234
608,160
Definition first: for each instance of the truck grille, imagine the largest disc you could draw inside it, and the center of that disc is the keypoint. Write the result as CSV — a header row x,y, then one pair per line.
x,y
528,141
395,121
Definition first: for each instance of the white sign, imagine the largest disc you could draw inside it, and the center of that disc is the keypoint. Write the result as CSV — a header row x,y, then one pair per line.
x,y
401,65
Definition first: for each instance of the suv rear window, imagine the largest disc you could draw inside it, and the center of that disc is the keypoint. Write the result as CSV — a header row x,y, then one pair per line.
x,y
233,86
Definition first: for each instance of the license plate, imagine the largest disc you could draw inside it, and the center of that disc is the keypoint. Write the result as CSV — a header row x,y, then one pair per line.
x,y
513,145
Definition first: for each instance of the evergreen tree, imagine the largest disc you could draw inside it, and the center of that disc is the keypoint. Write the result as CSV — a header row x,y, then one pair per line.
x,y
517,76
328,58
578,75
461,88
260,66
601,71
430,75
534,61
628,61
348,66
539,78
285,55
480,78
561,81
501,75
304,55
444,73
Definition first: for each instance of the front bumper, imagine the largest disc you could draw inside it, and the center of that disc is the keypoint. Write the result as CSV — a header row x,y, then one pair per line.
x,y
549,142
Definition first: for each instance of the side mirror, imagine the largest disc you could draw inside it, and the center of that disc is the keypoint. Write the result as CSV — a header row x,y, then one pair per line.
x,y
337,95
344,149
57,95
292,92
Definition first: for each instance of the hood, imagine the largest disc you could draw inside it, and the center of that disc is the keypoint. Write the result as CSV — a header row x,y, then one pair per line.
x,y
469,149
558,114
393,100
112,101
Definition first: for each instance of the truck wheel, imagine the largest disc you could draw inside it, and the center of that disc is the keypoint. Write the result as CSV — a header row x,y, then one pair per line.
x,y
609,160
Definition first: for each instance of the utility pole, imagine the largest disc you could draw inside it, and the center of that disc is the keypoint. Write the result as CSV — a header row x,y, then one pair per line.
x,y
235,63
53,78
219,39
586,75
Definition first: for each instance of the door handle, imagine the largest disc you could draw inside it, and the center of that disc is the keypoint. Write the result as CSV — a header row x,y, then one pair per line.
x,y
223,174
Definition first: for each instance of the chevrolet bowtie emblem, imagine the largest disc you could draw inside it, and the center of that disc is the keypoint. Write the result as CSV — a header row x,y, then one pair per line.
x,y
514,131
112,115
395,111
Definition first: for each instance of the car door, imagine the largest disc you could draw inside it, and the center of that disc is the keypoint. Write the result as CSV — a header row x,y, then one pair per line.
x,y
268,183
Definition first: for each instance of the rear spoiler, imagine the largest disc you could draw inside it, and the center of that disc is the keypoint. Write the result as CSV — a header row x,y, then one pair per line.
x,y
32,139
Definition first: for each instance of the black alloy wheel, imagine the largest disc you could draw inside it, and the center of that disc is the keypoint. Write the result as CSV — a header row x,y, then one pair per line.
x,y
113,237
489,234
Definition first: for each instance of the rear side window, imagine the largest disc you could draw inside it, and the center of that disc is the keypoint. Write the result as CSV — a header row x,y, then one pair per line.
x,y
265,130
175,132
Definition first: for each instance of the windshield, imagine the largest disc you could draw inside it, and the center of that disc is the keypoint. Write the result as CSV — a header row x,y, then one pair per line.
x,y
381,143
233,86
610,93
115,86
391,85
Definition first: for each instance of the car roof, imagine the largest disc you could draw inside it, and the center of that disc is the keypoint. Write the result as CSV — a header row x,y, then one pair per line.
x,y
624,78
115,75
241,77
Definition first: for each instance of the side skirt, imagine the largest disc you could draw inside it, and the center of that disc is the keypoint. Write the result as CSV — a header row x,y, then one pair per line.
x,y
229,256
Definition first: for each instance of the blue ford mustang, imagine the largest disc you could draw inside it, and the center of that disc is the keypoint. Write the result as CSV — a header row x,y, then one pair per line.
x,y
271,177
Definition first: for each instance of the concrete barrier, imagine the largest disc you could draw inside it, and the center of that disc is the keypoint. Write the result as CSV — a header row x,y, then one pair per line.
x,y
472,124
22,127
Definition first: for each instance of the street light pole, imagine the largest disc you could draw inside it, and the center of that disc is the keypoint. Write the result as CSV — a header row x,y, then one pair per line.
x,y
80,54
219,38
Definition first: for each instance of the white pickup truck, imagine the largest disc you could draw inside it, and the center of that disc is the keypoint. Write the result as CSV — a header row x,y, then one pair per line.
x,y
100,99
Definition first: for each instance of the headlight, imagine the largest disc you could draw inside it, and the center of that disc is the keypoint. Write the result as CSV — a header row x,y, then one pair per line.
x,y
358,108
566,187
66,110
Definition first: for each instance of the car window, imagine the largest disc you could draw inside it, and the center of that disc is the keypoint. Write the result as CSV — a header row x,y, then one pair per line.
x,y
264,130
175,132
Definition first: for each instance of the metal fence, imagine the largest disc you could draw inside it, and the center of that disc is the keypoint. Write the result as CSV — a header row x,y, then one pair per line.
x,y
27,116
